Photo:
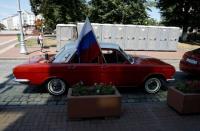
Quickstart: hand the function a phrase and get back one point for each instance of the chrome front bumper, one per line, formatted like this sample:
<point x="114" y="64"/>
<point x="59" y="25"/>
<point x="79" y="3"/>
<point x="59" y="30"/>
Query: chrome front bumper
<point x="170" y="80"/>
<point x="21" y="80"/>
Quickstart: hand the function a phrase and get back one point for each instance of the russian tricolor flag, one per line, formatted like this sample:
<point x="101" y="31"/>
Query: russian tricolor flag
<point x="87" y="46"/>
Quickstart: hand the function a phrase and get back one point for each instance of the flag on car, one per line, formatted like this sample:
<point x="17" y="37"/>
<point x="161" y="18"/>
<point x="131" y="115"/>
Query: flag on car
<point x="87" y="46"/>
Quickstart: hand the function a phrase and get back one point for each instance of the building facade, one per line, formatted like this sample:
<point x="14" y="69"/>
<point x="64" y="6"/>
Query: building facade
<point x="12" y="22"/>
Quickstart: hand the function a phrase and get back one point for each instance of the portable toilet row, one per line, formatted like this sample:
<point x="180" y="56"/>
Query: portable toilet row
<point x="137" y="37"/>
<point x="151" y="38"/>
<point x="129" y="37"/>
<point x="65" y="33"/>
<point x="110" y="33"/>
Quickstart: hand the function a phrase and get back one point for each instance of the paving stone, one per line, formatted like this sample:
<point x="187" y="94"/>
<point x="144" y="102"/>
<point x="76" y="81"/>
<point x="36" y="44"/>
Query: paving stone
<point x="24" y="103"/>
<point x="37" y="99"/>
<point x="3" y="103"/>
<point x="60" y="102"/>
<point x="15" y="99"/>
<point x="51" y="103"/>
<point x="8" y="99"/>
<point x="23" y="99"/>
<point x="130" y="100"/>
<point x="42" y="102"/>
<point x="32" y="103"/>
<point x="33" y="95"/>
<point x="14" y="103"/>
<point x="25" y="95"/>
<point x="45" y="95"/>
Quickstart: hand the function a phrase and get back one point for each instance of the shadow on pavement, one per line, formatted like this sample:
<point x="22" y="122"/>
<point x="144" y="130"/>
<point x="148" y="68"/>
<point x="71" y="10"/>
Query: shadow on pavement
<point x="35" y="89"/>
<point x="137" y="117"/>
<point x="9" y="77"/>
<point x="8" y="84"/>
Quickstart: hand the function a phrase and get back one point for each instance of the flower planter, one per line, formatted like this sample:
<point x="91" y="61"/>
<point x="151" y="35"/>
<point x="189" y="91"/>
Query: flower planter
<point x="184" y="103"/>
<point x="93" y="105"/>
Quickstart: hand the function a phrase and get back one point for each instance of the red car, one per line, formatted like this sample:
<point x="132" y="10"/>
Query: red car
<point x="63" y="70"/>
<point x="190" y="62"/>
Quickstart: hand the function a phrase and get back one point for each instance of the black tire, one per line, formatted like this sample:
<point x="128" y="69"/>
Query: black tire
<point x="152" y="85"/>
<point x="56" y="87"/>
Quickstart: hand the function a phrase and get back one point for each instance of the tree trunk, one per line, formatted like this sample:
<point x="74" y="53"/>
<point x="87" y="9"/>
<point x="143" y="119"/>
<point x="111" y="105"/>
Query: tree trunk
<point x="184" y="34"/>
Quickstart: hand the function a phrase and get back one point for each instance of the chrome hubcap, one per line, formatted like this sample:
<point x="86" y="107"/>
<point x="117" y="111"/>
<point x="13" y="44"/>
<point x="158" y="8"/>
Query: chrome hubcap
<point x="152" y="85"/>
<point x="56" y="86"/>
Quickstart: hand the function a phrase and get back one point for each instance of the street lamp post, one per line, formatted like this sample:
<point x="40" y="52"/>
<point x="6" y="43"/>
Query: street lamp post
<point x="23" y="49"/>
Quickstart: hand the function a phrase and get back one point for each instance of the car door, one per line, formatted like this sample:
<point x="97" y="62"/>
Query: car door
<point x="118" y="70"/>
<point x="88" y="73"/>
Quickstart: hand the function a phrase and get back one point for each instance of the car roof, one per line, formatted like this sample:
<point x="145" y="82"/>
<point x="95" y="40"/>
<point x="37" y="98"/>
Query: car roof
<point x="104" y="45"/>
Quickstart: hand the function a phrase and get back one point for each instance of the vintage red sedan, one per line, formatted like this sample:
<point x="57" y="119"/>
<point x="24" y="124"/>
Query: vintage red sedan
<point x="63" y="70"/>
<point x="190" y="62"/>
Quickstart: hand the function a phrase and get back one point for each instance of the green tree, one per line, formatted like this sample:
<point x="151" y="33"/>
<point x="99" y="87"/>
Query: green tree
<point x="59" y="11"/>
<point x="2" y="26"/>
<point x="35" y="6"/>
<point x="151" y="21"/>
<point x="182" y="13"/>
<point x="118" y="11"/>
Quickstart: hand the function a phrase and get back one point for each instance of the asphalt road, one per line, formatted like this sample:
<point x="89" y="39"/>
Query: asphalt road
<point x="12" y="93"/>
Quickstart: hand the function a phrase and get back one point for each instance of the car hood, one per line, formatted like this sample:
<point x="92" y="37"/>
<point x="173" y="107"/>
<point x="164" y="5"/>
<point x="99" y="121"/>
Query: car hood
<point x="146" y="60"/>
<point x="35" y="59"/>
<point x="40" y="59"/>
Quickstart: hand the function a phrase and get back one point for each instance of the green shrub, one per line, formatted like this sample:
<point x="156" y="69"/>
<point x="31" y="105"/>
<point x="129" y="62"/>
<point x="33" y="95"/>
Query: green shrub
<point x="188" y="86"/>
<point x="80" y="89"/>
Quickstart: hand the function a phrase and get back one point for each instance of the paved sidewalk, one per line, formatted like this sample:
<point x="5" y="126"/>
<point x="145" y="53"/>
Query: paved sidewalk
<point x="6" y="38"/>
<point x="9" y="50"/>
<point x="13" y="53"/>
<point x="135" y="117"/>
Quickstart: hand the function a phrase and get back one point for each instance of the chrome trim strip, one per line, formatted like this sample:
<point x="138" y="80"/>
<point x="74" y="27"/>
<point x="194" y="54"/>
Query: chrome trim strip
<point x="21" y="80"/>
<point x="170" y="80"/>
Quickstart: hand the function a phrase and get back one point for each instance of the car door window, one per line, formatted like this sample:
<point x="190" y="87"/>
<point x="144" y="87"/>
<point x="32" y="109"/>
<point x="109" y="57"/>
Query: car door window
<point x="75" y="59"/>
<point x="113" y="56"/>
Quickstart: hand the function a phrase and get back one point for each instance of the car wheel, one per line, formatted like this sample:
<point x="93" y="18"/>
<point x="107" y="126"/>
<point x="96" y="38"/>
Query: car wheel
<point x="56" y="87"/>
<point x="152" y="85"/>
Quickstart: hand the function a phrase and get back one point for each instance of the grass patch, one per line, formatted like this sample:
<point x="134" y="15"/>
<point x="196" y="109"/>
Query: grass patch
<point x="48" y="42"/>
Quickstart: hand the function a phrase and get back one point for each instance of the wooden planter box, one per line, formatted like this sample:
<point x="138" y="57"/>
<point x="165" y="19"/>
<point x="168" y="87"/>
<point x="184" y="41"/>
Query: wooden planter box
<point x="184" y="103"/>
<point x="93" y="105"/>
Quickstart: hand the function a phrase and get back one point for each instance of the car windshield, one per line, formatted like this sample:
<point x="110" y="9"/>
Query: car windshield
<point x="128" y="57"/>
<point x="64" y="54"/>
<point x="60" y="51"/>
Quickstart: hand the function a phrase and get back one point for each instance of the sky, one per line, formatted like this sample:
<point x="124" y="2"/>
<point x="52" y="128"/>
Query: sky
<point x="154" y="13"/>
<point x="10" y="7"/>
